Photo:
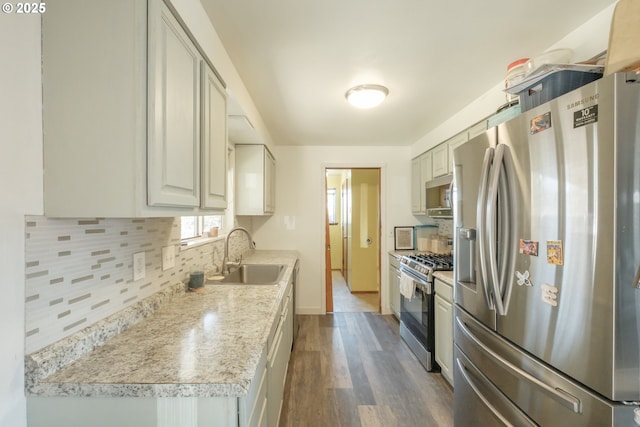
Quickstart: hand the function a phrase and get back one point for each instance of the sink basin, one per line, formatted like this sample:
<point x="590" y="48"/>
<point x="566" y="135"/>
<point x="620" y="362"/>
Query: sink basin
<point x="254" y="274"/>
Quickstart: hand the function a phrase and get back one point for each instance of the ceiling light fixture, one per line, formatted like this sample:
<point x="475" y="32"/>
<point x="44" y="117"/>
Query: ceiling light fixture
<point x="366" y="96"/>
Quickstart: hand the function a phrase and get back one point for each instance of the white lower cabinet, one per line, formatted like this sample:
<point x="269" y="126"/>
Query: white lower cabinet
<point x="132" y="411"/>
<point x="444" y="328"/>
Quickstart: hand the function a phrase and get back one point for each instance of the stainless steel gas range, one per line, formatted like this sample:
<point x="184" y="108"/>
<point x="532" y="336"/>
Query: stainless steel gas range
<point x="417" y="313"/>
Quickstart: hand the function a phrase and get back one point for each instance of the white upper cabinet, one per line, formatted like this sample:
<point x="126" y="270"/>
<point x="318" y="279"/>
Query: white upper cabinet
<point x="269" y="183"/>
<point x="255" y="180"/>
<point x="416" y="185"/>
<point x="426" y="168"/>
<point x="440" y="160"/>
<point x="125" y="128"/>
<point x="214" y="141"/>
<point x="452" y="144"/>
<point x="477" y="129"/>
<point x="173" y="114"/>
<point x="421" y="173"/>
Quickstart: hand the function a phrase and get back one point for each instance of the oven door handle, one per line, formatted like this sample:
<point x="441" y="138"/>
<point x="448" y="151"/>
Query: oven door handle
<point x="422" y="288"/>
<point x="425" y="287"/>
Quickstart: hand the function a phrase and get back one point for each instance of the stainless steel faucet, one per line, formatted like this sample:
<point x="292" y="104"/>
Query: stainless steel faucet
<point x="225" y="261"/>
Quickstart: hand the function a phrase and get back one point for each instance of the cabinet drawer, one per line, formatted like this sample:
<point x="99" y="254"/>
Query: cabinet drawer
<point x="444" y="290"/>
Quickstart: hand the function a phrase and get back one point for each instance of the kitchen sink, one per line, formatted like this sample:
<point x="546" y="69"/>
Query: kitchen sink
<point x="253" y="274"/>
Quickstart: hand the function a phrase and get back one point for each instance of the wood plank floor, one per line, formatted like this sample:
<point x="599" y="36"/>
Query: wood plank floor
<point x="353" y="369"/>
<point x="345" y="301"/>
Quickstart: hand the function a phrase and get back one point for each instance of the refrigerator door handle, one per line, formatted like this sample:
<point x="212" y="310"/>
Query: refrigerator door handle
<point x="501" y="201"/>
<point x="508" y="238"/>
<point x="491" y="224"/>
<point x="481" y="224"/>
<point x="636" y="280"/>
<point x="565" y="398"/>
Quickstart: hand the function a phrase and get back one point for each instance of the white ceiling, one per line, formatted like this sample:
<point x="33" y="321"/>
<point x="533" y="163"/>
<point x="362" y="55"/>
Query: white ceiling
<point x="297" y="58"/>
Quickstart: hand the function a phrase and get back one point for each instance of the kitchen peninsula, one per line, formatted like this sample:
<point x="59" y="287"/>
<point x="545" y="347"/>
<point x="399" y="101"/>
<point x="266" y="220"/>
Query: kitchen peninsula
<point x="206" y="356"/>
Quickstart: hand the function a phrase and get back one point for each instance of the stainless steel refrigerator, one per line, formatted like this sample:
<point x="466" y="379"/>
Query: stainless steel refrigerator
<point x="547" y="264"/>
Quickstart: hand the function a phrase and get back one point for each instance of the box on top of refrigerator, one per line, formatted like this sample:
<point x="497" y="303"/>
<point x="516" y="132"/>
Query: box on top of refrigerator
<point x="553" y="85"/>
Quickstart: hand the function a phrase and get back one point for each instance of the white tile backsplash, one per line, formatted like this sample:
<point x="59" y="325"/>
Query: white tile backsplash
<point x="445" y="227"/>
<point x="79" y="271"/>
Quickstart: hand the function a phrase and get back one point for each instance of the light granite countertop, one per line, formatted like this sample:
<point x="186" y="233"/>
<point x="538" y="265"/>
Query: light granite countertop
<point x="445" y="276"/>
<point x="194" y="345"/>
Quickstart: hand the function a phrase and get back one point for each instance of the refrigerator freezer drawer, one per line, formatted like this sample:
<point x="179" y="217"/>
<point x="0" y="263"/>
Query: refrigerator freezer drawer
<point x="479" y="402"/>
<point x="543" y="394"/>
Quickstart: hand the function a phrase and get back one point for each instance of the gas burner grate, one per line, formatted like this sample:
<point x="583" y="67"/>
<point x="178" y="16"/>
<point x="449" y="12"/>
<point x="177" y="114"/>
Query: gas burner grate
<point x="433" y="261"/>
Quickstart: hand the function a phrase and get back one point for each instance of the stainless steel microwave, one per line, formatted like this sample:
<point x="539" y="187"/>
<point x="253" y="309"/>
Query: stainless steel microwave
<point x="438" y="197"/>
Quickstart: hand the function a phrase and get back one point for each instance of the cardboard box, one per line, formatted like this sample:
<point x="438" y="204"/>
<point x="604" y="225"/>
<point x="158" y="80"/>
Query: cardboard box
<point x="624" y="38"/>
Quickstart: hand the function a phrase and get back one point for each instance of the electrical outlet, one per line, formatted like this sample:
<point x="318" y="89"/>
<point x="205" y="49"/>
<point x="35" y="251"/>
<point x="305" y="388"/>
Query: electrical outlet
<point x="168" y="257"/>
<point x="139" y="269"/>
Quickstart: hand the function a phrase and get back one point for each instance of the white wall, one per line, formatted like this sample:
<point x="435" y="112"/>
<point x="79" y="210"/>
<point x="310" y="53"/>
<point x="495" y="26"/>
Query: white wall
<point x="299" y="219"/>
<point x="20" y="193"/>
<point x="586" y="41"/>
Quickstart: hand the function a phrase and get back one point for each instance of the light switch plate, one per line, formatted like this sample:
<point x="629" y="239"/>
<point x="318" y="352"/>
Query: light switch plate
<point x="139" y="269"/>
<point x="168" y="257"/>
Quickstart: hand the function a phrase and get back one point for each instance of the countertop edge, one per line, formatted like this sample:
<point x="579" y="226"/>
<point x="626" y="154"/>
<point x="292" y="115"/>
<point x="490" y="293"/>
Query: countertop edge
<point x="137" y="390"/>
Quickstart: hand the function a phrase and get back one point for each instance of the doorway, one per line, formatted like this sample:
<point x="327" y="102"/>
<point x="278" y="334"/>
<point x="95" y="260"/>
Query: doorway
<point x="354" y="239"/>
